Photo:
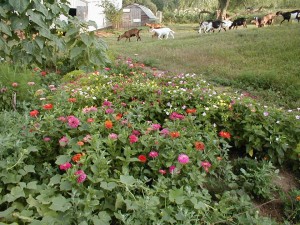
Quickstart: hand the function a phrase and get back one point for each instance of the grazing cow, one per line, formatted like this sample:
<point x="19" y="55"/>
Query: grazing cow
<point x="289" y="15"/>
<point x="267" y="19"/>
<point x="239" y="22"/>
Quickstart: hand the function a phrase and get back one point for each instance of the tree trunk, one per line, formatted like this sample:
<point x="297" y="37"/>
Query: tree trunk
<point x="221" y="13"/>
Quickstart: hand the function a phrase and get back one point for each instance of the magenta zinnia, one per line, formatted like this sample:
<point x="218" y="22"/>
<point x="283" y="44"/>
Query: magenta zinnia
<point x="183" y="159"/>
<point x="133" y="139"/>
<point x="73" y="121"/>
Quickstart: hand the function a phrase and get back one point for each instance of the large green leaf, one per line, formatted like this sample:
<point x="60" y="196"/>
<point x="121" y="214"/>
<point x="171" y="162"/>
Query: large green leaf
<point x="128" y="180"/>
<point x="19" y="5"/>
<point x="60" y="203"/>
<point x="5" y="29"/>
<point x="76" y="51"/>
<point x="19" y="23"/>
<point x="37" y="18"/>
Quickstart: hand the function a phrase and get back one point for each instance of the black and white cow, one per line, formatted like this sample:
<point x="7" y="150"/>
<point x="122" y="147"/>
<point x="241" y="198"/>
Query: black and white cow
<point x="289" y="15"/>
<point x="239" y="22"/>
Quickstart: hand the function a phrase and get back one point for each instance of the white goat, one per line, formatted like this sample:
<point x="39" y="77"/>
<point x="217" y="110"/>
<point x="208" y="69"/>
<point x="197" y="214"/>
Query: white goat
<point x="163" y="32"/>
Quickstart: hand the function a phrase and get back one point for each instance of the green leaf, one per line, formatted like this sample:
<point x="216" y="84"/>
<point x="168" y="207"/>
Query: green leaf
<point x="128" y="180"/>
<point x="177" y="195"/>
<point x="19" y="23"/>
<point x="60" y="203"/>
<point x="5" y="29"/>
<point x="32" y="185"/>
<point x="55" y="179"/>
<point x="76" y="51"/>
<point x="7" y="212"/>
<point x="102" y="218"/>
<point x="19" y="5"/>
<point x="108" y="186"/>
<point x="37" y="18"/>
<point x="65" y="186"/>
<point x="62" y="159"/>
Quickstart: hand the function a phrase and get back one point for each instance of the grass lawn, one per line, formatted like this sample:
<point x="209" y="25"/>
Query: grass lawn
<point x="264" y="61"/>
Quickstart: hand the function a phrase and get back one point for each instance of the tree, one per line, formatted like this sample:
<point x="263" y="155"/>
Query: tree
<point x="112" y="14"/>
<point x="223" y="5"/>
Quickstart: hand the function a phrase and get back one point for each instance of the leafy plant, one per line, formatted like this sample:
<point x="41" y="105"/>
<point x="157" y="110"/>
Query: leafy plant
<point x="256" y="177"/>
<point x="31" y="35"/>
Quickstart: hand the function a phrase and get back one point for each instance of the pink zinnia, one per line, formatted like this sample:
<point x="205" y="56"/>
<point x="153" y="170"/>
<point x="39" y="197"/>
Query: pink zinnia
<point x="162" y="172"/>
<point x="109" y="111"/>
<point x="62" y="119"/>
<point x="65" y="166"/>
<point x="136" y="133"/>
<point x="183" y="159"/>
<point x="82" y="176"/>
<point x="153" y="154"/>
<point x="206" y="165"/>
<point x="73" y="121"/>
<point x="164" y="132"/>
<point x="113" y="136"/>
<point x="172" y="169"/>
<point x="46" y="139"/>
<point x="156" y="126"/>
<point x="133" y="139"/>
<point x="63" y="141"/>
<point x="175" y="116"/>
<point x="107" y="103"/>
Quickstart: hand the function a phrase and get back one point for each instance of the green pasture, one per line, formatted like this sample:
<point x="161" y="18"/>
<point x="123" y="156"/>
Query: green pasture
<point x="264" y="61"/>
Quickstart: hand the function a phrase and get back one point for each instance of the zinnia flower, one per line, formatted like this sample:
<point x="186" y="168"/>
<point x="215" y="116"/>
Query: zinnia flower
<point x="142" y="158"/>
<point x="164" y="132"/>
<point x="72" y="100"/>
<point x="109" y="111"/>
<point x="174" y="134"/>
<point x="172" y="169"/>
<point x="80" y="143"/>
<point x="46" y="139"/>
<point x="48" y="106"/>
<point x="119" y="116"/>
<point x="199" y="145"/>
<point x="133" y="139"/>
<point x="73" y="121"/>
<point x="65" y="166"/>
<point x="82" y="176"/>
<point x="176" y="116"/>
<point x="191" y="111"/>
<point x="43" y="73"/>
<point x="107" y="103"/>
<point x="224" y="134"/>
<point x="156" y="126"/>
<point x="162" y="172"/>
<point x="206" y="165"/>
<point x="183" y="159"/>
<point x="90" y="120"/>
<point x="153" y="154"/>
<point x="15" y="84"/>
<point x="34" y="113"/>
<point x="113" y="136"/>
<point x="108" y="124"/>
<point x="76" y="157"/>
<point x="63" y="141"/>
<point x="298" y="198"/>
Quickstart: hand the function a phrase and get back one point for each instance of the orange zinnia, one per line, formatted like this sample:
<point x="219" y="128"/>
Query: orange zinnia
<point x="76" y="157"/>
<point x="72" y="100"/>
<point x="199" y="145"/>
<point x="191" y="111"/>
<point x="108" y="124"/>
<point x="174" y="134"/>
<point x="119" y="116"/>
<point x="80" y="143"/>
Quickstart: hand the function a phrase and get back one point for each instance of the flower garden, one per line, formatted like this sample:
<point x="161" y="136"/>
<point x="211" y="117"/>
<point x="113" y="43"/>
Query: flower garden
<point x="129" y="145"/>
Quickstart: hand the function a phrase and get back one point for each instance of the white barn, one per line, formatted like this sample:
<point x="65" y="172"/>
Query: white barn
<point x="91" y="10"/>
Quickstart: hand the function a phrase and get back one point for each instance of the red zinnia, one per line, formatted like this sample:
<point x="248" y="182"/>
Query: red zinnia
<point x="142" y="158"/>
<point x="43" y="73"/>
<point x="34" y="113"/>
<point x="224" y="134"/>
<point x="199" y="145"/>
<point x="48" y="106"/>
<point x="119" y="116"/>
<point x="108" y="124"/>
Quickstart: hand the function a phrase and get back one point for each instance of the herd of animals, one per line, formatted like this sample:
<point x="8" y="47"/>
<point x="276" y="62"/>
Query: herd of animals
<point x="212" y="25"/>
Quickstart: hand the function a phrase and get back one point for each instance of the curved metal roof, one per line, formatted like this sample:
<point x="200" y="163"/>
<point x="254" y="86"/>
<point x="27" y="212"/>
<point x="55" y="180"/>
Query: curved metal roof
<point x="146" y="10"/>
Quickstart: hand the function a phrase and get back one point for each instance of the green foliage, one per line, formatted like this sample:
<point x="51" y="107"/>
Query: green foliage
<point x="256" y="177"/>
<point x="127" y="146"/>
<point x="16" y="85"/>
<point x="291" y="202"/>
<point x="31" y="34"/>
